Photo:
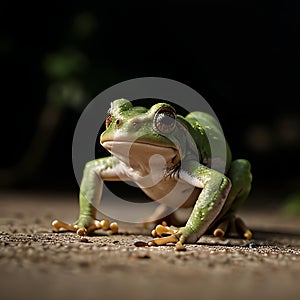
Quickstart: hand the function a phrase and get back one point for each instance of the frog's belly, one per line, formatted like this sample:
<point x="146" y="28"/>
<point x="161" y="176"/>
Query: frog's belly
<point x="173" y="193"/>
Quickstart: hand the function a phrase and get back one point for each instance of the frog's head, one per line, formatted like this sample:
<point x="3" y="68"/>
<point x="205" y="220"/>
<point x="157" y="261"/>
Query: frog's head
<point x="136" y="133"/>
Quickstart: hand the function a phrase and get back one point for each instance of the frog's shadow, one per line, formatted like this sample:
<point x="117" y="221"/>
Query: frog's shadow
<point x="261" y="238"/>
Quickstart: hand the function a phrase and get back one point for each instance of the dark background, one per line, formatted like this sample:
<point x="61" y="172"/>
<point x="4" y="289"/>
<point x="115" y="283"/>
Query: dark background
<point x="56" y="57"/>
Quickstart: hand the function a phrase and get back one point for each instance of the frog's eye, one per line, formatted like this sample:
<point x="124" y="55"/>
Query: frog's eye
<point x="165" y="120"/>
<point x="108" y="121"/>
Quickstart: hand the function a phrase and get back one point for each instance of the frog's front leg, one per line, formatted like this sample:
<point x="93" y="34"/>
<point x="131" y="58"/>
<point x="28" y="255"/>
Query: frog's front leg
<point x="90" y="194"/>
<point x="240" y="176"/>
<point x="215" y="188"/>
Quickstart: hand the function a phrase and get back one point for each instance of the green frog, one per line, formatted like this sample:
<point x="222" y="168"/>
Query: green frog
<point x="170" y="158"/>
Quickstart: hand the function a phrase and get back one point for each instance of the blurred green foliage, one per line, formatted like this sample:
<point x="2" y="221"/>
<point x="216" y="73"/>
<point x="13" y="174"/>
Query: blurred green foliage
<point x="84" y="25"/>
<point x="291" y="205"/>
<point x="65" y="63"/>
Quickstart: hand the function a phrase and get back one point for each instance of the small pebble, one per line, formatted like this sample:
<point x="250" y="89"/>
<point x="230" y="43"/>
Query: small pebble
<point x="252" y="245"/>
<point x="30" y="252"/>
<point x="95" y="248"/>
<point x="84" y="240"/>
<point x="140" y="244"/>
<point x="145" y="256"/>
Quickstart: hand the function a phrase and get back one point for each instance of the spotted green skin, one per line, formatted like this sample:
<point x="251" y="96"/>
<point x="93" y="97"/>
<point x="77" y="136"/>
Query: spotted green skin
<point x="219" y="195"/>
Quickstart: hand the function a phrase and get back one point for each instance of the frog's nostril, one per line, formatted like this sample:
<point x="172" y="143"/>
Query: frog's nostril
<point x="135" y="125"/>
<point x="118" y="123"/>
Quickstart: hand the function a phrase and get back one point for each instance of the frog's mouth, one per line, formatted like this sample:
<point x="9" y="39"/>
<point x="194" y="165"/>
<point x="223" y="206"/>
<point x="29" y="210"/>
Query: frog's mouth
<point x="140" y="153"/>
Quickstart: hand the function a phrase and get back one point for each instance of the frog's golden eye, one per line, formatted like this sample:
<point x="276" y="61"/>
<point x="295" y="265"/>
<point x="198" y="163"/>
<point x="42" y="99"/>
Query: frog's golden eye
<point x="108" y="121"/>
<point x="165" y="120"/>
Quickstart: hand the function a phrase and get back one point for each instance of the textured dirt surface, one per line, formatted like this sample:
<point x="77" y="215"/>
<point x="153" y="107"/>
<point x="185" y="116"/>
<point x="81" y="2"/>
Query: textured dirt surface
<point x="38" y="264"/>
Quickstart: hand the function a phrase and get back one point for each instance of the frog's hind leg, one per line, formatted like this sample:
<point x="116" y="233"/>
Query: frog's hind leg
<point x="240" y="176"/>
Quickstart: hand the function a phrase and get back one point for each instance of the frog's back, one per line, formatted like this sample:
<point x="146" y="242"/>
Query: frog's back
<point x="210" y="124"/>
<point x="209" y="138"/>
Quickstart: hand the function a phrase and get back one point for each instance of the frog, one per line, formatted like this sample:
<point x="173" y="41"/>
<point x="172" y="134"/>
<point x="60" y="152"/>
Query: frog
<point x="169" y="157"/>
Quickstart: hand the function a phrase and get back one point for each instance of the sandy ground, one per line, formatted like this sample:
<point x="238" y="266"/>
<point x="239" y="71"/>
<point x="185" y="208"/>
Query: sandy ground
<point x="38" y="264"/>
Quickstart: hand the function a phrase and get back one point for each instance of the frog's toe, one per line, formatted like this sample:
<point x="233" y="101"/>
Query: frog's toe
<point x="232" y="225"/>
<point x="163" y="235"/>
<point x="58" y="225"/>
<point x="163" y="229"/>
<point x="85" y="226"/>
<point x="164" y="240"/>
<point x="221" y="228"/>
<point x="243" y="229"/>
<point x="171" y="234"/>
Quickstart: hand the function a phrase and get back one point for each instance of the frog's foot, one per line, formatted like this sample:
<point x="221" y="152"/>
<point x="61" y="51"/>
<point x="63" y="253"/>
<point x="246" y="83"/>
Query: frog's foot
<point x="164" y="234"/>
<point x="232" y="225"/>
<point x="85" y="226"/>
